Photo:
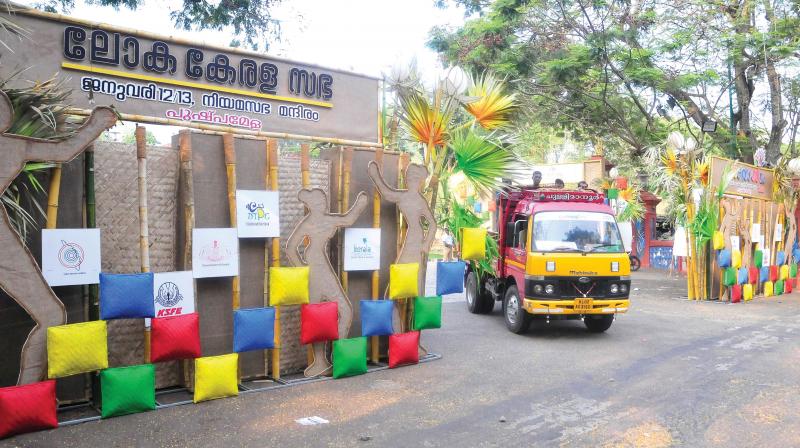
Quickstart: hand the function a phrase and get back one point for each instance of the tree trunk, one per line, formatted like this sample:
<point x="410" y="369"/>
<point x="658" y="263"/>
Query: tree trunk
<point x="775" y="99"/>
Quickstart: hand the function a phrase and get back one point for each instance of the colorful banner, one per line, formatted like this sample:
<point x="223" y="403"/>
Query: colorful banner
<point x="748" y="180"/>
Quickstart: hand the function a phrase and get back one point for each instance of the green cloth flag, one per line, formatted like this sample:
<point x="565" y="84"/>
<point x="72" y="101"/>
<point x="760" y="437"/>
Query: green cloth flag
<point x="427" y="313"/>
<point x="729" y="279"/>
<point x="779" y="287"/>
<point x="349" y="357"/>
<point x="759" y="259"/>
<point x="127" y="390"/>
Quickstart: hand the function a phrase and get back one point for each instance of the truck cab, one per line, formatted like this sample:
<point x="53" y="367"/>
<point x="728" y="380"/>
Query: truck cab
<point x="561" y="257"/>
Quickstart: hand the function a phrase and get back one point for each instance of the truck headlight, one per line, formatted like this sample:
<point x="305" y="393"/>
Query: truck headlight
<point x="615" y="266"/>
<point x="623" y="288"/>
<point x="549" y="289"/>
<point x="614" y="288"/>
<point x="551" y="266"/>
<point x="537" y="289"/>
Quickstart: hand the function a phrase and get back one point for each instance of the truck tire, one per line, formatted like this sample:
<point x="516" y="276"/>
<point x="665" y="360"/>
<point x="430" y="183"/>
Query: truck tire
<point x="478" y="300"/>
<point x="517" y="319"/>
<point x="598" y="324"/>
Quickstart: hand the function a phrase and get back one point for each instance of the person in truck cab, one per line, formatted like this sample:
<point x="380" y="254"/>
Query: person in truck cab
<point x="537" y="179"/>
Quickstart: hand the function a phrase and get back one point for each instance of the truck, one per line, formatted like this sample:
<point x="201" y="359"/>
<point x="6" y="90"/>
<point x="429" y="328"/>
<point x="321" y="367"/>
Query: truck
<point x="561" y="257"/>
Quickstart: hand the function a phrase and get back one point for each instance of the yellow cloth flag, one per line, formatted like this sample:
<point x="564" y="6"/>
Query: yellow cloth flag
<point x="736" y="258"/>
<point x="77" y="348"/>
<point x="769" y="289"/>
<point x="473" y="244"/>
<point x="288" y="286"/>
<point x="404" y="280"/>
<point x="747" y="292"/>
<point x="215" y="377"/>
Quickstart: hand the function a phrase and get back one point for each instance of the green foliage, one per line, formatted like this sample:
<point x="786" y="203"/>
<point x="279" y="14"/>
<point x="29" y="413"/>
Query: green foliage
<point x="456" y="217"/>
<point x="130" y="138"/>
<point x="39" y="112"/>
<point x="483" y="161"/>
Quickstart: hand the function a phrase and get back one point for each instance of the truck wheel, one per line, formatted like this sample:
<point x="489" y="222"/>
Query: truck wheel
<point x="517" y="319"/>
<point x="478" y="300"/>
<point x="598" y="324"/>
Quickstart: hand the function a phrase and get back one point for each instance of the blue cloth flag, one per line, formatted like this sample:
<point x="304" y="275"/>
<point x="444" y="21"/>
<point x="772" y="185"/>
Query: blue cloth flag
<point x="780" y="258"/>
<point x="376" y="317"/>
<point x="450" y="277"/>
<point x="126" y="296"/>
<point x="253" y="329"/>
<point x="763" y="276"/>
<point x="724" y="258"/>
<point x="743" y="275"/>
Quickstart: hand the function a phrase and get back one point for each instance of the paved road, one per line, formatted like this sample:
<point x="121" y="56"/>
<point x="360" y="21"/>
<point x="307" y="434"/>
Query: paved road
<point x="670" y="373"/>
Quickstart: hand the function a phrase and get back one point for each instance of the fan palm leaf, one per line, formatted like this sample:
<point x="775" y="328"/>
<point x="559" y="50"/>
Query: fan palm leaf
<point x="484" y="162"/>
<point x="491" y="106"/>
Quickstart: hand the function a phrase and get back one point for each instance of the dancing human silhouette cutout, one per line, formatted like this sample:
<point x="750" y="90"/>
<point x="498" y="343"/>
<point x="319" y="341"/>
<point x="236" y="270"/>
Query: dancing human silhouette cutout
<point x="20" y="276"/>
<point x="313" y="233"/>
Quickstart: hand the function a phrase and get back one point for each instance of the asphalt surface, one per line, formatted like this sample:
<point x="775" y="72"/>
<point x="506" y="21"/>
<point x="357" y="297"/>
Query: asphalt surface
<point x="669" y="373"/>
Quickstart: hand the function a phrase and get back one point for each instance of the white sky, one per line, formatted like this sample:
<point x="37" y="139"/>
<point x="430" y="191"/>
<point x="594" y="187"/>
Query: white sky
<point x="364" y="36"/>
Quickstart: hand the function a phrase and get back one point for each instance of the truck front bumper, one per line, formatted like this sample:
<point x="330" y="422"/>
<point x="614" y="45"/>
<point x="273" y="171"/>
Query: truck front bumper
<point x="594" y="306"/>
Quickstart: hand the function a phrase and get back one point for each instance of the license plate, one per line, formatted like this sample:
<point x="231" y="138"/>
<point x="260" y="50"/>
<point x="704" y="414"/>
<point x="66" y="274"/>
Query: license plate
<point x="583" y="305"/>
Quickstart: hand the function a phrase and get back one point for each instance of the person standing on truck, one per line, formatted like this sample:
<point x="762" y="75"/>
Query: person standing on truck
<point x="582" y="185"/>
<point x="559" y="184"/>
<point x="537" y="179"/>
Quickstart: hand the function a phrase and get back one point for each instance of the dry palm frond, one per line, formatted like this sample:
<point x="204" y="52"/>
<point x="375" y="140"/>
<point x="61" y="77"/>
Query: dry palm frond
<point x="491" y="105"/>
<point x="426" y="123"/>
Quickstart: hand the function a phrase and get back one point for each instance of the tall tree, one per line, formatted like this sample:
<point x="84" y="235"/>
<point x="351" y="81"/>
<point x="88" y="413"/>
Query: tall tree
<point x="249" y="19"/>
<point x="629" y="71"/>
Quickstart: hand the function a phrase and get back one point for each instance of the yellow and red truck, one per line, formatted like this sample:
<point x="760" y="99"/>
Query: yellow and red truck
<point x="561" y="256"/>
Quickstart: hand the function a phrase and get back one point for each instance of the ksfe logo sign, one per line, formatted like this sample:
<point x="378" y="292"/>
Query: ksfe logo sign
<point x="71" y="256"/>
<point x="173" y="293"/>
<point x="362" y="249"/>
<point x="257" y="214"/>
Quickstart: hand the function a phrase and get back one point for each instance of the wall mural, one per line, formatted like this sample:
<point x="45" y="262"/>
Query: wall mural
<point x="313" y="234"/>
<point x="20" y="276"/>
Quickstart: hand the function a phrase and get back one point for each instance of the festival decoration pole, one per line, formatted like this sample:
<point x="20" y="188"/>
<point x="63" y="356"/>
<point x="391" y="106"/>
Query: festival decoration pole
<point x="187" y="186"/>
<point x="376" y="223"/>
<point x="272" y="161"/>
<point x="144" y="234"/>
<point x="92" y="291"/>
<point x="403" y="162"/>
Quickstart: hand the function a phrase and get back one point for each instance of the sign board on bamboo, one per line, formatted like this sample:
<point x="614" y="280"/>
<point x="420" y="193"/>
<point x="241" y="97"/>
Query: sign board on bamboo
<point x="163" y="77"/>
<point x="748" y="180"/>
<point x="71" y="256"/>
<point x="257" y="214"/>
<point x="173" y="293"/>
<point x="362" y="249"/>
<point x="215" y="253"/>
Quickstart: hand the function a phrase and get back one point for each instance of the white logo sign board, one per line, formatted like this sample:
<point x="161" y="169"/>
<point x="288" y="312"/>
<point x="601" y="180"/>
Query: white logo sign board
<point x="173" y="293"/>
<point x="71" y="256"/>
<point x="257" y="214"/>
<point x="362" y="249"/>
<point x="215" y="253"/>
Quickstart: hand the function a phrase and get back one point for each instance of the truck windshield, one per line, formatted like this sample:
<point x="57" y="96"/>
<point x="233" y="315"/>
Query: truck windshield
<point x="575" y="232"/>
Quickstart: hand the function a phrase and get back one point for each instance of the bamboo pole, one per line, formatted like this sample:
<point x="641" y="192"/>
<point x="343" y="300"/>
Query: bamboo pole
<point x="305" y="180"/>
<point x="52" y="197"/>
<point x="403" y="163"/>
<point x="144" y="234"/>
<point x="272" y="161"/>
<point x="347" y="166"/>
<point x="376" y="223"/>
<point x="187" y="185"/>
